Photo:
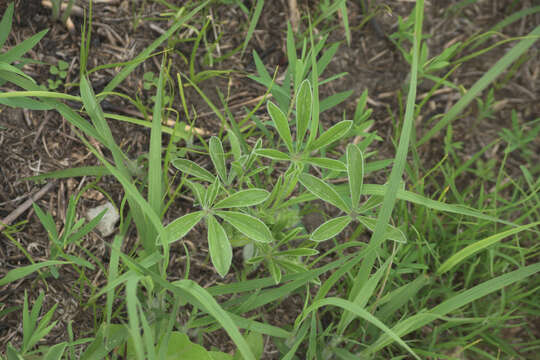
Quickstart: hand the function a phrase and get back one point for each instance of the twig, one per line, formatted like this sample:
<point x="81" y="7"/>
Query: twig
<point x="25" y="205"/>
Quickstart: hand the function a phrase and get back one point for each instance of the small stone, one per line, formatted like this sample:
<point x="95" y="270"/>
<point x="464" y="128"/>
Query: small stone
<point x="107" y="222"/>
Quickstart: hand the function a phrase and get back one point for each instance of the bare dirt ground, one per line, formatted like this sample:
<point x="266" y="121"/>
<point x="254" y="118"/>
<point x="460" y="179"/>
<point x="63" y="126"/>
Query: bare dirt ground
<point x="32" y="142"/>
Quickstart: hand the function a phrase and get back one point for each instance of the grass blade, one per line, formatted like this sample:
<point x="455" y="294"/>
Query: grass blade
<point x="361" y="313"/>
<point x="146" y="53"/>
<point x="479" y="246"/>
<point x="5" y="24"/>
<point x="483" y="83"/>
<point x="252" y="24"/>
<point x="155" y="170"/>
<point x="20" y="272"/>
<point x="466" y="297"/>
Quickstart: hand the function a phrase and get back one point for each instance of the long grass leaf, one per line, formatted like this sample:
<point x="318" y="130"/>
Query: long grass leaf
<point x="479" y="246"/>
<point x="482" y="83"/>
<point x="361" y="313"/>
<point x="155" y="170"/>
<point x="401" y="155"/>
<point x="5" y="24"/>
<point x="466" y="297"/>
<point x="20" y="272"/>
<point x="146" y="52"/>
<point x="252" y="24"/>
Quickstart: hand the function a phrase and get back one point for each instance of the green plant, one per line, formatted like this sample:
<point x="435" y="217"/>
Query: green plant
<point x="35" y="329"/>
<point x="60" y="11"/>
<point x="151" y="81"/>
<point x="72" y="233"/>
<point x="517" y="137"/>
<point x="12" y="60"/>
<point x="59" y="71"/>
<point x="450" y="276"/>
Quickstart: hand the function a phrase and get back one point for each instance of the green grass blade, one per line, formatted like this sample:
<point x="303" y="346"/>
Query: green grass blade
<point x="38" y="93"/>
<point x="479" y="246"/>
<point x="132" y="303"/>
<point x="334" y="100"/>
<point x="5" y="24"/>
<point x="209" y="304"/>
<point x="361" y="313"/>
<point x="482" y="83"/>
<point x="252" y="24"/>
<point x="146" y="53"/>
<point x="401" y="156"/>
<point x="155" y="171"/>
<point x="137" y="203"/>
<point x="22" y="271"/>
<point x="466" y="297"/>
<point x="360" y="295"/>
<point x="16" y="52"/>
<point x="71" y="172"/>
<point x="200" y="298"/>
<point x="345" y="19"/>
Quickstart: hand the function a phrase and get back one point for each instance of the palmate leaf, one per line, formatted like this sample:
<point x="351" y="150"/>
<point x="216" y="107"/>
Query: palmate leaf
<point x="327" y="163"/>
<point x="248" y="225"/>
<point x="192" y="168"/>
<point x="282" y="124"/>
<point x="182" y="225"/>
<point x="331" y="228"/>
<point x="219" y="246"/>
<point x="304" y="100"/>
<point x="218" y="157"/>
<point x="335" y="133"/>
<point x="323" y="191"/>
<point x="273" y="154"/>
<point x="355" y="173"/>
<point x="243" y="198"/>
